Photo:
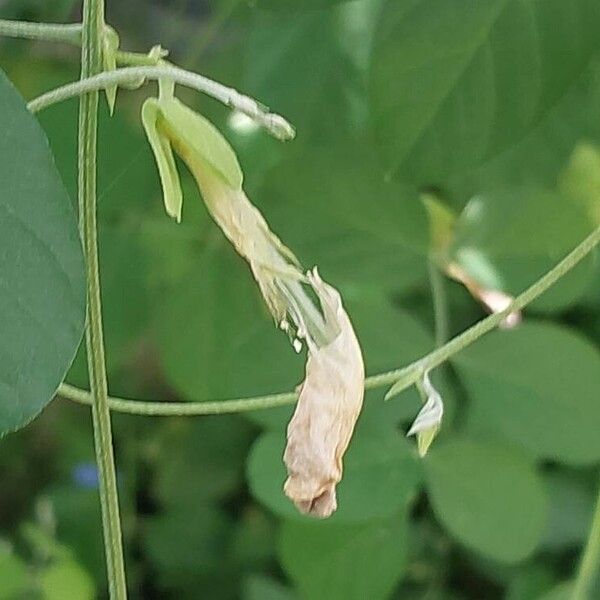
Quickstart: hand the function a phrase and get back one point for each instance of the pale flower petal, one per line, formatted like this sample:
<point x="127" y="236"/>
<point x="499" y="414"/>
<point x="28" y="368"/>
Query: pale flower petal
<point x="328" y="407"/>
<point x="429" y="419"/>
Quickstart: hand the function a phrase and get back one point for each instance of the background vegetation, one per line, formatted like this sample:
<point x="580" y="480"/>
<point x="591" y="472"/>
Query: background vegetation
<point x="494" y="107"/>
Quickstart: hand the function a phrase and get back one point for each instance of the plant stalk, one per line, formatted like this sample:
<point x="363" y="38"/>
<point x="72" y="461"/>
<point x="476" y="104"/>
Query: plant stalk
<point x="587" y="575"/>
<point x="50" y="32"/>
<point x="401" y="378"/>
<point x="91" y="63"/>
<point x="275" y="124"/>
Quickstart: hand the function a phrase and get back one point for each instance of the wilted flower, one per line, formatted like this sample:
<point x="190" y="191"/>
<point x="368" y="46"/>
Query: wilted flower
<point x="494" y="300"/>
<point x="331" y="395"/>
<point x="429" y="420"/>
<point x="330" y="402"/>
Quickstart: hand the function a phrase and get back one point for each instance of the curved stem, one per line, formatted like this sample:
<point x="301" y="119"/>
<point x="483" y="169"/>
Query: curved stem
<point x="51" y="32"/>
<point x="408" y="375"/>
<point x="182" y="409"/>
<point x="590" y="560"/>
<point x="91" y="60"/>
<point x="401" y="378"/>
<point x="275" y="124"/>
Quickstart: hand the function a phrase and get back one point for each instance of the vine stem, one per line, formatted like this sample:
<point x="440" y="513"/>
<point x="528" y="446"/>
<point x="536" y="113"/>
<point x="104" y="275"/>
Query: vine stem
<point x="91" y="61"/>
<point x="590" y="560"/>
<point x="401" y="378"/>
<point x="275" y="124"/>
<point x="50" y="32"/>
<point x="440" y="305"/>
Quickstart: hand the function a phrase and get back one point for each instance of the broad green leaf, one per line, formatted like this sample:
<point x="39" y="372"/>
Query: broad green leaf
<point x="495" y="245"/>
<point x="563" y="591"/>
<point x="381" y="475"/>
<point x="337" y="561"/>
<point x="200" y="460"/>
<point x="259" y="587"/>
<point x="488" y="498"/>
<point x="15" y="581"/>
<point x="530" y="581"/>
<point x="455" y="82"/>
<point x="186" y="549"/>
<point x="66" y="579"/>
<point x="294" y="5"/>
<point x="294" y="65"/>
<point x="570" y="511"/>
<point x="216" y="339"/>
<point x="538" y="158"/>
<point x="536" y="386"/>
<point x="42" y="292"/>
<point x="125" y="308"/>
<point x="336" y="210"/>
<point x="580" y="181"/>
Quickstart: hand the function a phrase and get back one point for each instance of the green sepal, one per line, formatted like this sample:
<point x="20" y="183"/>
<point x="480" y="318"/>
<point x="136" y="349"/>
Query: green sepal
<point x="163" y="153"/>
<point x="110" y="46"/>
<point x="199" y="142"/>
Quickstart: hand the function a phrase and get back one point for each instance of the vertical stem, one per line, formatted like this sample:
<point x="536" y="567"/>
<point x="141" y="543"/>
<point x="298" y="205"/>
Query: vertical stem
<point x="440" y="308"/>
<point x="590" y="560"/>
<point x="93" y="22"/>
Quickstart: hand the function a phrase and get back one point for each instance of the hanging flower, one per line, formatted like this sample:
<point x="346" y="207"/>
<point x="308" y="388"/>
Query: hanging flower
<point x="429" y="420"/>
<point x="332" y="392"/>
<point x="330" y="401"/>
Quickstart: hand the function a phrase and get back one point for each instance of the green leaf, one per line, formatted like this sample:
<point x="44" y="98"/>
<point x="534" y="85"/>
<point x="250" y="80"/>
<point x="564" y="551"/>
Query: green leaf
<point x="293" y="63"/>
<point x="259" y="587"/>
<point x="125" y="311"/>
<point x="294" y="5"/>
<point x="42" y="293"/>
<point x="570" y="511"/>
<point x="66" y="579"/>
<point x="345" y="562"/>
<point x="563" y="591"/>
<point x="538" y="387"/>
<point x="381" y="475"/>
<point x="581" y="180"/>
<point x="15" y="580"/>
<point x="336" y="210"/>
<point x="495" y="245"/>
<point x="488" y="498"/>
<point x="453" y="82"/>
<point x="216" y="339"/>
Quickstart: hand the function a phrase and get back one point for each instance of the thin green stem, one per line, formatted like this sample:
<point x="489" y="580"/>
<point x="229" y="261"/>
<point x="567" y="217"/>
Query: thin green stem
<point x="401" y="378"/>
<point x="182" y="409"/>
<point x="91" y="61"/>
<point x="273" y="123"/>
<point x="440" y="308"/>
<point x="590" y="560"/>
<point x="406" y="376"/>
<point x="51" y="32"/>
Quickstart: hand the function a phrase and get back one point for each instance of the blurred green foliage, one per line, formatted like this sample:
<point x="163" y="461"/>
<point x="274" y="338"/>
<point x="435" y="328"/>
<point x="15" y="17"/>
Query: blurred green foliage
<point x="493" y="107"/>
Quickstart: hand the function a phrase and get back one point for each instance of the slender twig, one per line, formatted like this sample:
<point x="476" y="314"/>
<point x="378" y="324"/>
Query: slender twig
<point x="590" y="560"/>
<point x="91" y="61"/>
<point x="51" y="32"/>
<point x="440" y="308"/>
<point x="401" y="378"/>
<point x="275" y="124"/>
<point x="182" y="409"/>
